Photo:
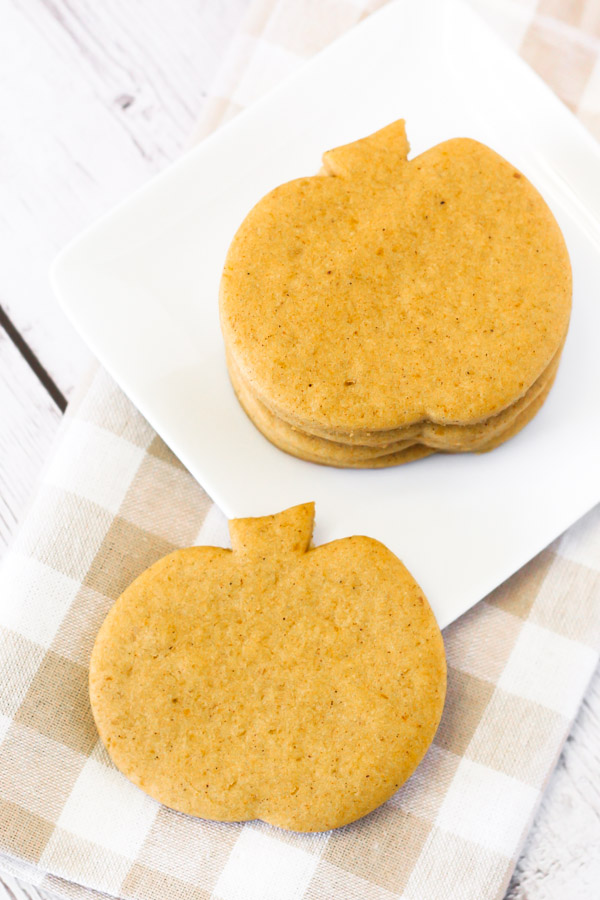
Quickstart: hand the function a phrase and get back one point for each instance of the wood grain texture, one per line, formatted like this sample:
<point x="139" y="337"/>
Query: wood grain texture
<point x="95" y="98"/>
<point x="14" y="889"/>
<point x="30" y="419"/>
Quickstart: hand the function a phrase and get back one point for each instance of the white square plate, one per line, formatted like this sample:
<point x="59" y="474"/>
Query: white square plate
<point x="142" y="285"/>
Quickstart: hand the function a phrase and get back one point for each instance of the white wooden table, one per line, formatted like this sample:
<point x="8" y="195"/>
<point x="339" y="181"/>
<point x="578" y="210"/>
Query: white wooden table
<point x="95" y="97"/>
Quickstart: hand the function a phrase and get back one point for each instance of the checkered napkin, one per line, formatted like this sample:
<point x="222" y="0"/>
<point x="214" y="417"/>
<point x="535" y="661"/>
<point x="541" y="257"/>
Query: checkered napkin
<point x="114" y="499"/>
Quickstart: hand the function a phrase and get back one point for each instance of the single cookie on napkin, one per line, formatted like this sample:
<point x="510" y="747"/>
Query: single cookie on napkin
<point x="299" y="686"/>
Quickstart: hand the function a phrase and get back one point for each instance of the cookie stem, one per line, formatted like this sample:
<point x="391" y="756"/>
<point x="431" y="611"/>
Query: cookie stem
<point x="384" y="151"/>
<point x="287" y="532"/>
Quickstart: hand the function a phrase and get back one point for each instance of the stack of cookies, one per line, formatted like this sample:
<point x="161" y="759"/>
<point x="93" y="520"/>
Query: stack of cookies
<point x="387" y="309"/>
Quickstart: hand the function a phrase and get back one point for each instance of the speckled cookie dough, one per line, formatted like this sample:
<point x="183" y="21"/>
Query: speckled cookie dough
<point x="299" y="686"/>
<point x="389" y="292"/>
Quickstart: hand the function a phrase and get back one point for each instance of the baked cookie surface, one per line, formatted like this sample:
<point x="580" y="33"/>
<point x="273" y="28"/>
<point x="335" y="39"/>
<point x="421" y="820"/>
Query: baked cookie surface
<point x="300" y="686"/>
<point x="389" y="292"/>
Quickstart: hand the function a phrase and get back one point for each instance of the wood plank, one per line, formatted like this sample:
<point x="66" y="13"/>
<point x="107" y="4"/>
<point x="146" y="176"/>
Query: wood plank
<point x="96" y="98"/>
<point x="15" y="889"/>
<point x="30" y="420"/>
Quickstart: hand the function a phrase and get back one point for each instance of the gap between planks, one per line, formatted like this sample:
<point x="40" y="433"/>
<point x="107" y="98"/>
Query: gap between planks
<point x="30" y="420"/>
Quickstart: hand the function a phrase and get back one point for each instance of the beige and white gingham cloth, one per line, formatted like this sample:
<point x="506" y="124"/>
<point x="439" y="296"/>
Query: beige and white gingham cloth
<point x="114" y="499"/>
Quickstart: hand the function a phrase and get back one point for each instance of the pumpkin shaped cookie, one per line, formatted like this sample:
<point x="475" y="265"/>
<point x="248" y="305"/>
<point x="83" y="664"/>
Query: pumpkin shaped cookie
<point x="387" y="295"/>
<point x="299" y="686"/>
